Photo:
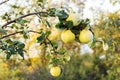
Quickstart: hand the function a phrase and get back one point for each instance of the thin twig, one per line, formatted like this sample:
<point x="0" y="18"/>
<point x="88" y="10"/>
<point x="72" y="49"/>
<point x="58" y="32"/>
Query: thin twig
<point x="11" y="34"/>
<point x="52" y="45"/>
<point x="17" y="33"/>
<point x="34" y="31"/>
<point x="12" y="21"/>
<point x="4" y="2"/>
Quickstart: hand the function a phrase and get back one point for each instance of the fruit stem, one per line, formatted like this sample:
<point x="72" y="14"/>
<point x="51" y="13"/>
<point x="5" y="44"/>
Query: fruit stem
<point x="52" y="45"/>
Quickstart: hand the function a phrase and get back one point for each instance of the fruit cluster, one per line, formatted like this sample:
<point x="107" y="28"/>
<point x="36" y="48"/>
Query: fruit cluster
<point x="70" y="28"/>
<point x="85" y="36"/>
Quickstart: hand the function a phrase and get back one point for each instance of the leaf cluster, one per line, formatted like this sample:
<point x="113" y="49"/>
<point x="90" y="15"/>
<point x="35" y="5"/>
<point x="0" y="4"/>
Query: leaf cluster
<point x="11" y="47"/>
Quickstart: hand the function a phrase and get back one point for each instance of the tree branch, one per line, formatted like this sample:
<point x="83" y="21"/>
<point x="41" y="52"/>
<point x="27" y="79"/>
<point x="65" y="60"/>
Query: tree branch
<point x="17" y="33"/>
<point x="12" y="21"/>
<point x="4" y="2"/>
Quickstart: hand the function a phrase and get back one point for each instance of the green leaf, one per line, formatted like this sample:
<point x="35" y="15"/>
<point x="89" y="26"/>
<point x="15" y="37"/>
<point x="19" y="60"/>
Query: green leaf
<point x="8" y="55"/>
<point x="69" y="24"/>
<point x="61" y="25"/>
<point x="21" y="52"/>
<point x="25" y="35"/>
<point x="4" y="47"/>
<point x="40" y="1"/>
<point x="93" y="43"/>
<point x="62" y="51"/>
<point x="21" y="21"/>
<point x="117" y="22"/>
<point x="51" y="12"/>
<point x="64" y="59"/>
<point x="87" y="21"/>
<point x="39" y="20"/>
<point x="61" y="14"/>
<point x="55" y="45"/>
<point x="21" y="45"/>
<point x="40" y="38"/>
<point x="14" y="26"/>
<point x="11" y="49"/>
<point x="9" y="41"/>
<point x="3" y="31"/>
<point x="64" y="24"/>
<point x="54" y="61"/>
<point x="5" y="16"/>
<point x="84" y="23"/>
<point x="48" y="56"/>
<point x="75" y="30"/>
<point x="15" y="6"/>
<point x="47" y="33"/>
<point x="48" y="23"/>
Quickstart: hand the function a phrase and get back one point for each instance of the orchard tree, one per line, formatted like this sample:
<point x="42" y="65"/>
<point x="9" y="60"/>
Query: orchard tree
<point x="57" y="36"/>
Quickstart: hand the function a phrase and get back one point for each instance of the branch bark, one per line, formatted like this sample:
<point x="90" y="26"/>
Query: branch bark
<point x="4" y="2"/>
<point x="17" y="33"/>
<point x="12" y="21"/>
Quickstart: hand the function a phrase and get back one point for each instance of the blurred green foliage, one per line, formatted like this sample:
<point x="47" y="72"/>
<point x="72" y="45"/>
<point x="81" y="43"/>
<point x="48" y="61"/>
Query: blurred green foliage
<point x="80" y="67"/>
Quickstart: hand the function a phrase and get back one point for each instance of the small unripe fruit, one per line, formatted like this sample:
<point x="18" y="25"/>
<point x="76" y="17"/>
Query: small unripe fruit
<point x="55" y="71"/>
<point x="85" y="36"/>
<point x="67" y="36"/>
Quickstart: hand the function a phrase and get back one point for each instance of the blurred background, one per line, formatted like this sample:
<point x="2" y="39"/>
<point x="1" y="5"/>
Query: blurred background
<point x="96" y="63"/>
